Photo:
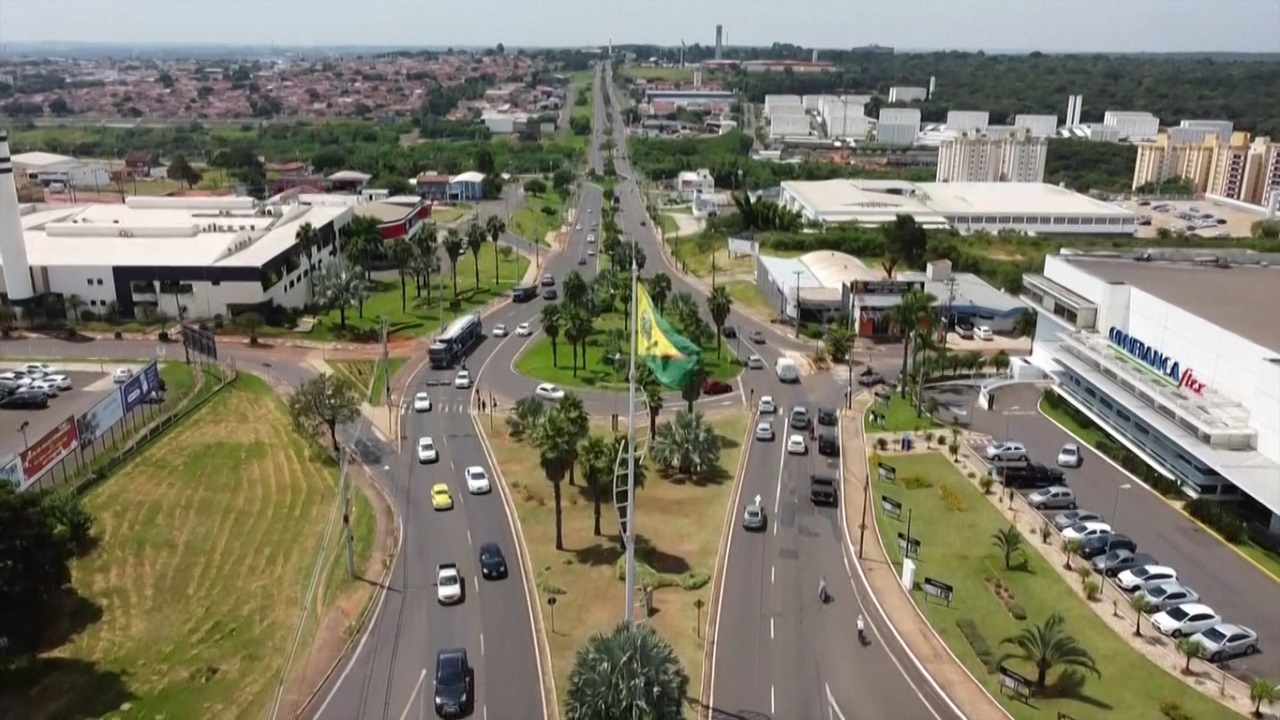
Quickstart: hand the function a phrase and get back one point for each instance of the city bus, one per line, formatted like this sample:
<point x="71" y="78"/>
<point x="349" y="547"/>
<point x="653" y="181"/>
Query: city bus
<point x="455" y="342"/>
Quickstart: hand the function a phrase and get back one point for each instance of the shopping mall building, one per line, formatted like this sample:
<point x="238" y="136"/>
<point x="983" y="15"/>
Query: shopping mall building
<point x="1177" y="354"/>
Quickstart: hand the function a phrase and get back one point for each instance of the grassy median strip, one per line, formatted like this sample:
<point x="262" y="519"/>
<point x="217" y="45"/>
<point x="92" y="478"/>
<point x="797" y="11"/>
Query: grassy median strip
<point x="369" y="375"/>
<point x="955" y="525"/>
<point x="899" y="416"/>
<point x="206" y="543"/>
<point x="678" y="526"/>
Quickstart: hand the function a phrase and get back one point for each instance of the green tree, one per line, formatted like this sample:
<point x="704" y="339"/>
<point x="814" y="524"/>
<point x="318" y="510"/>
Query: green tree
<point x="653" y="400"/>
<point x="596" y="456"/>
<point x="577" y="330"/>
<point x="551" y="318"/>
<point x="561" y="179"/>
<point x="694" y="380"/>
<point x="905" y="243"/>
<point x="629" y="673"/>
<point x="453" y="244"/>
<point x="839" y="341"/>
<point x="1190" y="649"/>
<point x="687" y="445"/>
<point x="575" y="289"/>
<point x="325" y="400"/>
<point x="576" y="419"/>
<point x="1141" y="605"/>
<point x="719" y="304"/>
<point x="34" y="568"/>
<point x="495" y="227"/>
<point x="1262" y="691"/>
<point x="250" y="322"/>
<point x="73" y="524"/>
<point x="483" y="159"/>
<point x="557" y="454"/>
<point x="526" y="417"/>
<point x="914" y="310"/>
<point x="535" y="187"/>
<point x="1047" y="646"/>
<point x="425" y="261"/>
<point x="363" y="244"/>
<point x="401" y="254"/>
<point x="476" y="237"/>
<point x="181" y="171"/>
<point x="1009" y="542"/>
<point x="660" y="289"/>
<point x="307" y="238"/>
<point x="341" y="284"/>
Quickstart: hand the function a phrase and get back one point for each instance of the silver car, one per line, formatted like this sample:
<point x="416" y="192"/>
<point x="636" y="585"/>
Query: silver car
<point x="764" y="430"/>
<point x="753" y="517"/>
<point x="1057" y="497"/>
<point x="1062" y="521"/>
<point x="1165" y="595"/>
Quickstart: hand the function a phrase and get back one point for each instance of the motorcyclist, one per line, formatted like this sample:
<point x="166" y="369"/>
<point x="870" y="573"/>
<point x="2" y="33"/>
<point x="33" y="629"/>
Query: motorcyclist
<point x="822" y="589"/>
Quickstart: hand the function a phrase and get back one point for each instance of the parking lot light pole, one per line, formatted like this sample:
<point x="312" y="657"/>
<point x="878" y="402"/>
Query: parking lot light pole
<point x="1115" y="508"/>
<point x="23" y="429"/>
<point x="1007" y="413"/>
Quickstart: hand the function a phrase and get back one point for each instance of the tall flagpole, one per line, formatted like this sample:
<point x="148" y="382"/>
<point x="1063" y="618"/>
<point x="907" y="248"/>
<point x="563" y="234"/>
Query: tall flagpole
<point x="629" y="535"/>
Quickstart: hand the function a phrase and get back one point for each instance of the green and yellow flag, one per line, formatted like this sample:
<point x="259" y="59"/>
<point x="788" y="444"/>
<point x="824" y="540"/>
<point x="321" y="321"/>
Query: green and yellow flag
<point x="671" y="356"/>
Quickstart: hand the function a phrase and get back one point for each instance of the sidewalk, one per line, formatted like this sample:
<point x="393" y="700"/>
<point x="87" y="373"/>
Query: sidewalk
<point x="921" y="640"/>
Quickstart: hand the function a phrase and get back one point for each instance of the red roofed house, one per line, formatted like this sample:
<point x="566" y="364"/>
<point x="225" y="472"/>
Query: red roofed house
<point x="137" y="164"/>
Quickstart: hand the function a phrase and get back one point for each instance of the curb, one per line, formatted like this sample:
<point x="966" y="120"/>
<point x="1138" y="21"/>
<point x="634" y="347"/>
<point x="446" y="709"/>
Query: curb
<point x="1267" y="573"/>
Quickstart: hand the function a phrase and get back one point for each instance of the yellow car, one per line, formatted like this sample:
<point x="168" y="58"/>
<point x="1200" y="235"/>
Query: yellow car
<point x="440" y="497"/>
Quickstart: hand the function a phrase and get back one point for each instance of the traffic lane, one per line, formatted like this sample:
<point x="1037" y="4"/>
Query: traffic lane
<point x="1225" y="581"/>
<point x="743" y="673"/>
<point x="21" y="427"/>
<point x="111" y="349"/>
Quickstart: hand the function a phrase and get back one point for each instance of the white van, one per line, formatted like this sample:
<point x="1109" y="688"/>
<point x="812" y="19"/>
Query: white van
<point x="786" y="370"/>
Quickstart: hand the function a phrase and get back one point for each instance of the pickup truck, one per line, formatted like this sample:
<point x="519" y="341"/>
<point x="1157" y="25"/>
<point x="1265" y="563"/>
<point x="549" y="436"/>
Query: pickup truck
<point x="822" y="490"/>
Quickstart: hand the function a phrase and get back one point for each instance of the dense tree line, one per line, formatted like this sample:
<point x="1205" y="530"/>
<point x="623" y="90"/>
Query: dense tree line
<point x="1085" y="165"/>
<point x="1171" y="87"/>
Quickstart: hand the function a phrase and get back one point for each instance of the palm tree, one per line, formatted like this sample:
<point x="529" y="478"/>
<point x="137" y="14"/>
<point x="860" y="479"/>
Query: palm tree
<point x="75" y="304"/>
<point x="307" y="237"/>
<point x="652" y="397"/>
<point x="425" y="260"/>
<point x="574" y="413"/>
<point x="596" y="455"/>
<point x="526" y="417"/>
<point x="495" y="227"/>
<point x="719" y="304"/>
<point x="453" y="244"/>
<point x="557" y="453"/>
<point x="363" y="243"/>
<point x="687" y="445"/>
<point x="552" y="316"/>
<point x="660" y="289"/>
<point x="341" y="284"/>
<point x="575" y="289"/>
<point x="1072" y="548"/>
<point x="629" y="673"/>
<point x="1000" y="361"/>
<point x="577" y="331"/>
<point x="1047" y="646"/>
<point x="1190" y="649"/>
<point x="1140" y="606"/>
<point x="692" y="389"/>
<point x="476" y="237"/>
<point x="1262" y="690"/>
<point x="1009" y="542"/>
<point x="1025" y="324"/>
<point x="401" y="253"/>
<point x="908" y="315"/>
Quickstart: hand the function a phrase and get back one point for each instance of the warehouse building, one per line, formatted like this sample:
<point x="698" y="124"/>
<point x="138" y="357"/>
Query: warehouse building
<point x="56" y="172"/>
<point x="898" y="126"/>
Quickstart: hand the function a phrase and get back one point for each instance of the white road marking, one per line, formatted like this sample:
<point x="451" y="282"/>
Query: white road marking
<point x="770" y="628"/>
<point x="481" y="642"/>
<point x="772" y="707"/>
<point x="414" y="694"/>
<point x="773" y="574"/>
<point x="777" y="493"/>
<point x="469" y="538"/>
<point x="833" y="710"/>
<point x="476" y="580"/>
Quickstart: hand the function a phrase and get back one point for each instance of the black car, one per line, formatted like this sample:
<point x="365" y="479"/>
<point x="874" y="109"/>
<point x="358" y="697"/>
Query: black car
<point x="550" y="294"/>
<point x="25" y="400"/>
<point x="827" y="445"/>
<point x="1030" y="475"/>
<point x="757" y="337"/>
<point x="826" y="416"/>
<point x="453" y="683"/>
<point x="1098" y="545"/>
<point x="493" y="565"/>
<point x="822" y="490"/>
<point x="729" y="331"/>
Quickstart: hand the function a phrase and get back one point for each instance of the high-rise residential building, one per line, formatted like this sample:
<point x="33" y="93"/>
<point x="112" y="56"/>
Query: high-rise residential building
<point x="1010" y="155"/>
<point x="1235" y="168"/>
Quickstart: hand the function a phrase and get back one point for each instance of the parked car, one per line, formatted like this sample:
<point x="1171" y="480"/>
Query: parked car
<point x="764" y="430"/>
<point x="1165" y="595"/>
<point x="1006" y="450"/>
<point x="1083" y="530"/>
<point x="1117" y="561"/>
<point x="43" y="386"/>
<point x="1071" y="517"/>
<point x="1029" y="475"/>
<point x="982" y="332"/>
<point x="964" y="330"/>
<point x="41" y="369"/>
<point x="796" y="445"/>
<point x="1093" y="547"/>
<point x="25" y="400"/>
<point x="1053" y="497"/>
<point x="716" y="387"/>
<point x="1225" y="641"/>
<point x="1186" y="619"/>
<point x="1140" y="577"/>
<point x="16" y="378"/>
<point x="59" y="382"/>
<point x="122" y="375"/>
<point x="766" y="406"/>
<point x="1069" y="456"/>
<point x="753" y="518"/>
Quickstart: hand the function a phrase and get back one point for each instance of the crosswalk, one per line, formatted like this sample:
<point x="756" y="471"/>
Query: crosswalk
<point x="449" y="408"/>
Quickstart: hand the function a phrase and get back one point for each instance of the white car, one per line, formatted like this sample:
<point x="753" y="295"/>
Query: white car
<point x="19" y="379"/>
<point x="1186" y="619"/>
<point x="591" y="238"/>
<point x="40" y="369"/>
<point x="44" y="386"/>
<point x="427" y="450"/>
<point x="448" y="583"/>
<point x="766" y="406"/>
<point x="1069" y="456"/>
<point x="1006" y="450"/>
<point x="578" y="226"/>
<point x="477" y="480"/>
<point x="61" y="382"/>
<point x="982" y="332"/>
<point x="1085" y="530"/>
<point x="462" y="380"/>
<point x="547" y="391"/>
<point x="524" y="330"/>
<point x="755" y="362"/>
<point x="796" y="445"/>
<point x="591" y="252"/>
<point x="421" y="402"/>
<point x="764" y="430"/>
<point x="121" y="375"/>
<point x="1226" y="641"/>
<point x="499" y="330"/>
<point x="1139" y="578"/>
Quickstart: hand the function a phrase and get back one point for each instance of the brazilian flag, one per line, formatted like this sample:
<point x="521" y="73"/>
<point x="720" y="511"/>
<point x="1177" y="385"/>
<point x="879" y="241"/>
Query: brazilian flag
<point x="671" y="356"/>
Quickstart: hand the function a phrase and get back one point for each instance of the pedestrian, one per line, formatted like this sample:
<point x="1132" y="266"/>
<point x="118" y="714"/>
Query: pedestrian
<point x="482" y="405"/>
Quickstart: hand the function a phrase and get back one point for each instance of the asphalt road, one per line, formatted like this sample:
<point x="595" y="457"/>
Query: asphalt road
<point x="777" y="652"/>
<point x="1225" y="581"/>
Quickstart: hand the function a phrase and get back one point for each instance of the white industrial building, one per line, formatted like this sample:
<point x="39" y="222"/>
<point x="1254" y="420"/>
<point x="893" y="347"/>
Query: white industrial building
<point x="504" y="123"/>
<point x="961" y="120"/>
<point x="1041" y="126"/>
<point x="790" y="126"/>
<point x="1174" y="353"/>
<point x="692" y="183"/>
<point x="773" y="103"/>
<point x="906" y="94"/>
<point x="1036" y="208"/>
<point x="1196" y="131"/>
<point x="998" y="154"/>
<point x="898" y="126"/>
<point x="60" y="171"/>
<point x="1132" y="125"/>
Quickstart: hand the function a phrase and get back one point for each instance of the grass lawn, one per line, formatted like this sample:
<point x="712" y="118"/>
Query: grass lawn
<point x="678" y="523"/>
<point x="695" y="253"/>
<point x="368" y="375"/>
<point x="448" y="214"/>
<point x="531" y="223"/>
<point x="538" y="362"/>
<point x="746" y="294"/>
<point x="207" y="541"/>
<point x="900" y="416"/>
<point x="423" y="318"/>
<point x="670" y="228"/>
<point x="954" y="524"/>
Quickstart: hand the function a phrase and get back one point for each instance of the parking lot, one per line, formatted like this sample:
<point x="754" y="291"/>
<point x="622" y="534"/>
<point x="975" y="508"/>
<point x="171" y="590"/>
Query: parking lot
<point x="1223" y="220"/>
<point x="91" y="383"/>
<point x="1236" y="589"/>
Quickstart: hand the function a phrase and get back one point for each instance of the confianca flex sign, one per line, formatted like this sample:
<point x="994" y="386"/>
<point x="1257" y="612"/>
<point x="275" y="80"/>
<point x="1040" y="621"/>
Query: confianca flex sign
<point x="1156" y="360"/>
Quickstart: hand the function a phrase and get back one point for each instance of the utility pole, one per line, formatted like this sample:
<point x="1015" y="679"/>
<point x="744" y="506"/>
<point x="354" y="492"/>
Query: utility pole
<point x="951" y="298"/>
<point x="386" y="371"/>
<point x="629" y="536"/>
<point x="798" y="273"/>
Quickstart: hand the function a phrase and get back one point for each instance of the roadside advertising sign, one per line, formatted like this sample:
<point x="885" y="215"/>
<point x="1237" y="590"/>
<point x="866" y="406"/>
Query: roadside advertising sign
<point x="888" y="473"/>
<point x="910" y="547"/>
<point x="939" y="589"/>
<point x="101" y="417"/>
<point x="138" y="388"/>
<point x="48" y="450"/>
<point x="11" y="472"/>
<point x="891" y="506"/>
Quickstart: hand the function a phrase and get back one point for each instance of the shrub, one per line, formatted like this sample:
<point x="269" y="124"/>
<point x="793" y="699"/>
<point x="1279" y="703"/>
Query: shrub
<point x="985" y="483"/>
<point x="1092" y="590"/>
<point x="882" y="444"/>
<point x="1018" y="612"/>
<point x="1219" y="519"/>
<point x="915" y="482"/>
<point x="117" y="335"/>
<point x="1173" y="710"/>
<point x="163" y="336"/>
<point x="952" y="498"/>
<point x="1045" y="533"/>
<point x="981" y="647"/>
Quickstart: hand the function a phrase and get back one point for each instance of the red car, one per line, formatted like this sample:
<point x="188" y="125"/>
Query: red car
<point x="716" y="387"/>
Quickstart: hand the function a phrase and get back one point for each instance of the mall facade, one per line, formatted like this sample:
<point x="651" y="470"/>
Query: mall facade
<point x="1177" y="354"/>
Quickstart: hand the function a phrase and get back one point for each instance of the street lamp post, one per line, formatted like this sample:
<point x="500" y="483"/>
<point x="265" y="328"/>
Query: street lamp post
<point x="1115" y="508"/>
<point x="1007" y="413"/>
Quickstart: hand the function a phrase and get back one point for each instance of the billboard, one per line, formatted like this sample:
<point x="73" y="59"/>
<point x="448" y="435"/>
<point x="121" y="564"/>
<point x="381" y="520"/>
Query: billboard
<point x="48" y="450"/>
<point x="101" y="417"/>
<point x="11" y="472"/>
<point x="135" y="391"/>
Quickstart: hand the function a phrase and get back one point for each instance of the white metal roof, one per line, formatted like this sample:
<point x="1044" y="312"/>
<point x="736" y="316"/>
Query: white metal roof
<point x="35" y="160"/>
<point x="468" y="177"/>
<point x="350" y="175"/>
<point x="1013" y="198"/>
